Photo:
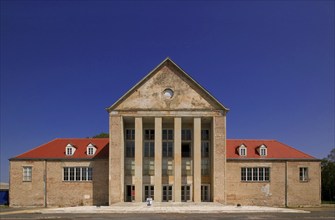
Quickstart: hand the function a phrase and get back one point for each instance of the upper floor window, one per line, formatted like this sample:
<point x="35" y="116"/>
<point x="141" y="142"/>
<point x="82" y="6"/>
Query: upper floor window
<point x="149" y="134"/>
<point x="27" y="174"/>
<point x="205" y="135"/>
<point x="167" y="134"/>
<point x="303" y="174"/>
<point x="130" y="134"/>
<point x="186" y="135"/>
<point x="69" y="150"/>
<point x="242" y="150"/>
<point x="91" y="149"/>
<point x="262" y="150"/>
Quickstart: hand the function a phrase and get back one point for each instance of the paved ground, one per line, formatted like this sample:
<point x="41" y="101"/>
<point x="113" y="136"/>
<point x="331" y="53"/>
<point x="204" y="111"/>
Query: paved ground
<point x="323" y="213"/>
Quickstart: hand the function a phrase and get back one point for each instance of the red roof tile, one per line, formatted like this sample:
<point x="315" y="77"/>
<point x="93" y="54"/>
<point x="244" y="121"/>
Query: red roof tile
<point x="55" y="149"/>
<point x="275" y="150"/>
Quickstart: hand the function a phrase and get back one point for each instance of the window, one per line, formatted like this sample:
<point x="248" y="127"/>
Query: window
<point x="167" y="167"/>
<point x="27" y="174"/>
<point x="167" y="134"/>
<point x="167" y="193"/>
<point x="130" y="143"/>
<point x="77" y="173"/>
<point x="185" y="193"/>
<point x="91" y="149"/>
<point x="205" y="135"/>
<point x="149" y="192"/>
<point x="149" y="167"/>
<point x="186" y="135"/>
<point x="205" y="167"/>
<point x="262" y="150"/>
<point x="303" y="174"/>
<point x="130" y="134"/>
<point x="242" y="150"/>
<point x="149" y="134"/>
<point x="255" y="174"/>
<point x="186" y="150"/>
<point x="129" y="167"/>
<point x="149" y="149"/>
<point x="69" y="150"/>
<point x="186" y="167"/>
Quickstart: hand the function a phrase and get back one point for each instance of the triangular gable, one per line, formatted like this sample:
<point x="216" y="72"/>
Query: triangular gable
<point x="154" y="90"/>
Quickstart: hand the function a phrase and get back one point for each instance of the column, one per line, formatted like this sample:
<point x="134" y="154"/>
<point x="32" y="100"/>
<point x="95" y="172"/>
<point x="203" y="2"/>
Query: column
<point x="115" y="159"/>
<point x="197" y="159"/>
<point x="158" y="159"/>
<point x="219" y="158"/>
<point x="177" y="160"/>
<point x="138" y="159"/>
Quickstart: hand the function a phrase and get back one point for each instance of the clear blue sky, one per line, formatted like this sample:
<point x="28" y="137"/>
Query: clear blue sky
<point x="64" y="62"/>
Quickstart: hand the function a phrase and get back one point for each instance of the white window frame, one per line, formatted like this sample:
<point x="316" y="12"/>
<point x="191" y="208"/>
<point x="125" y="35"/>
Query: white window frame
<point x="91" y="149"/>
<point x="242" y="150"/>
<point x="303" y="174"/>
<point x="27" y="173"/>
<point x="75" y="174"/>
<point x="262" y="150"/>
<point x="255" y="174"/>
<point x="69" y="150"/>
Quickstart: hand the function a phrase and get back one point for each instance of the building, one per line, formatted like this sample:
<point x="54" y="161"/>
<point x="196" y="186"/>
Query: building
<point x="4" y="191"/>
<point x="167" y="142"/>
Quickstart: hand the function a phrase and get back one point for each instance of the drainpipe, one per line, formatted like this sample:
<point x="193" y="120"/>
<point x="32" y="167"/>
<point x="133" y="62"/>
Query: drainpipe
<point x="286" y="184"/>
<point x="45" y="183"/>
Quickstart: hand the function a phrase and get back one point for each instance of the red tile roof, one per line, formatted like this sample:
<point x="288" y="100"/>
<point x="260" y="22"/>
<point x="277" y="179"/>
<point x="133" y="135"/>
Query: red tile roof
<point x="55" y="149"/>
<point x="275" y="150"/>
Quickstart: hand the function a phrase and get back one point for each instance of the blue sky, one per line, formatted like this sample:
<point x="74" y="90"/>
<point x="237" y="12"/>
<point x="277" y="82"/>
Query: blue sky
<point x="64" y="62"/>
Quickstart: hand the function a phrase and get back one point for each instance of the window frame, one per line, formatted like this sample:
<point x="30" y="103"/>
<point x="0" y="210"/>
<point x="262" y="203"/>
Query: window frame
<point x="303" y="174"/>
<point x="255" y="174"/>
<point x="77" y="174"/>
<point x="27" y="174"/>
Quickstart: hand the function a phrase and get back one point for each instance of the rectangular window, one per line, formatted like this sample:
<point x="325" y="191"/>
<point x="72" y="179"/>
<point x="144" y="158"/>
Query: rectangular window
<point x="167" y="134"/>
<point x="77" y="173"/>
<point x="149" y="192"/>
<point x="130" y="134"/>
<point x="129" y="167"/>
<point x="204" y="149"/>
<point x="303" y="174"/>
<point x="205" y="135"/>
<point x="149" y="167"/>
<point x="149" y="149"/>
<point x="185" y="193"/>
<point x="167" y="193"/>
<point x="27" y="174"/>
<point x="130" y="143"/>
<point x="186" y="135"/>
<point x="167" y="150"/>
<point x="255" y="174"/>
<point x="205" y="167"/>
<point x="149" y="134"/>
<point x="186" y="167"/>
<point x="167" y="167"/>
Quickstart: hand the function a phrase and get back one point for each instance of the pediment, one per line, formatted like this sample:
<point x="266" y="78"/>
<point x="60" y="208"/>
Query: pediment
<point x="167" y="87"/>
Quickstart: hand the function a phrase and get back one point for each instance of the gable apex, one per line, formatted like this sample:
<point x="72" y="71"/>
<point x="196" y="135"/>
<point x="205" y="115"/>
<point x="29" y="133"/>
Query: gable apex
<point x="182" y="76"/>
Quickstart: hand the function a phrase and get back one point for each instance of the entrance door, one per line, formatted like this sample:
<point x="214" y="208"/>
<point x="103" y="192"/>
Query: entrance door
<point x="185" y="193"/>
<point x="149" y="191"/>
<point x="130" y="193"/>
<point x="205" y="192"/>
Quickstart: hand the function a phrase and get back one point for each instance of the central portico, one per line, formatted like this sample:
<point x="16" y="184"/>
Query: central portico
<point x="167" y="141"/>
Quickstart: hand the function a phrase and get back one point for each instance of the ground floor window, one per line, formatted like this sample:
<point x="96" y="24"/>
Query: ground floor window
<point x="167" y="193"/>
<point x="205" y="193"/>
<point x="77" y="173"/>
<point x="130" y="193"/>
<point x="149" y="192"/>
<point x="185" y="193"/>
<point x="303" y="174"/>
<point x="255" y="174"/>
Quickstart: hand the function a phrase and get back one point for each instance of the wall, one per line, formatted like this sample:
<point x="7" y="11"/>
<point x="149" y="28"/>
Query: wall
<point x="58" y="192"/>
<point x="272" y="193"/>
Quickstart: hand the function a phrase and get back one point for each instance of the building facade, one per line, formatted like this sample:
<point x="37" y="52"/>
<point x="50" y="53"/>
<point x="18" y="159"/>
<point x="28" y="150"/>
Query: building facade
<point x="167" y="141"/>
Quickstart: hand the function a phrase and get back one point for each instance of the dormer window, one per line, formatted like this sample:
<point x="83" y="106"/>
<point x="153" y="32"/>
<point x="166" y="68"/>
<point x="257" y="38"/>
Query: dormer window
<point x="242" y="150"/>
<point x="69" y="150"/>
<point x="91" y="149"/>
<point x="262" y="150"/>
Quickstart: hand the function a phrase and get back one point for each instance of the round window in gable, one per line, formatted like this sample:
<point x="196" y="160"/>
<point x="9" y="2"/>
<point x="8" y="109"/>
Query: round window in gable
<point x="168" y="93"/>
